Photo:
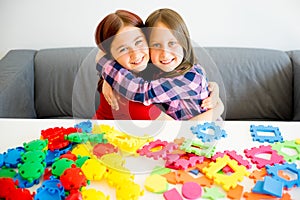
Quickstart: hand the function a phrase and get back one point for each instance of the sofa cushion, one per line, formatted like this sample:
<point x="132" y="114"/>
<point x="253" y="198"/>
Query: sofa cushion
<point x="258" y="83"/>
<point x="55" y="72"/>
<point x="295" y="57"/>
<point x="17" y="84"/>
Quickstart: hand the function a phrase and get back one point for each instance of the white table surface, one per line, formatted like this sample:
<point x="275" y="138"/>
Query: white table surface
<point x="14" y="132"/>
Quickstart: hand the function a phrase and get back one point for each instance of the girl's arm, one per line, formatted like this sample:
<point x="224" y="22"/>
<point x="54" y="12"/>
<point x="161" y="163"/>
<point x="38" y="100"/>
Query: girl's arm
<point x="156" y="91"/>
<point x="211" y="114"/>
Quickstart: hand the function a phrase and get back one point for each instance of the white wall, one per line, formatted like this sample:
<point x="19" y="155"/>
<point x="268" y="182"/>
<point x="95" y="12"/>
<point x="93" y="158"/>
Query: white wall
<point x="38" y="24"/>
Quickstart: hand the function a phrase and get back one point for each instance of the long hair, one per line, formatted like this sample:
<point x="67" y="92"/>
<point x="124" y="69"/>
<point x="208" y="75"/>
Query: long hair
<point x="111" y="24"/>
<point x="109" y="27"/>
<point x="177" y="26"/>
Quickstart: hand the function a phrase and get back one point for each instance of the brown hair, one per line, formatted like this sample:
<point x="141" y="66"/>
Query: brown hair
<point x="175" y="23"/>
<point x="109" y="27"/>
<point x="111" y="24"/>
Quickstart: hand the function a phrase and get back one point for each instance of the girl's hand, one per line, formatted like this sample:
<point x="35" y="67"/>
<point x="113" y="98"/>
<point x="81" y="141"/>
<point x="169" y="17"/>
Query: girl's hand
<point x="110" y="96"/>
<point x="211" y="101"/>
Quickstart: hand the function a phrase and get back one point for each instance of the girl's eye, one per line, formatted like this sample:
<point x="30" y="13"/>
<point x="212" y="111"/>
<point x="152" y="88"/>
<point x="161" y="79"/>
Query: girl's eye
<point x="122" y="50"/>
<point x="139" y="43"/>
<point x="172" y="43"/>
<point x="155" y="45"/>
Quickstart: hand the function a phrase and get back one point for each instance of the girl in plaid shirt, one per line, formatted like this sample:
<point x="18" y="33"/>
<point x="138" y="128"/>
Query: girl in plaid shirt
<point x="182" y="85"/>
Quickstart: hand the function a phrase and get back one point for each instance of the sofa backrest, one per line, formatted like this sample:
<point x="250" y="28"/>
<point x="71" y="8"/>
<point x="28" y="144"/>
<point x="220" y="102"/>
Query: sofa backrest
<point x="258" y="83"/>
<point x="55" y="74"/>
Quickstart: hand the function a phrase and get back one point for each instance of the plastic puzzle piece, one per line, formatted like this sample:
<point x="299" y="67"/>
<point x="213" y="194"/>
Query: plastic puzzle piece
<point x="51" y="156"/>
<point x="78" y="137"/>
<point x="172" y="194"/>
<point x="101" y="149"/>
<point x="93" y="169"/>
<point x="227" y="181"/>
<point x="69" y="156"/>
<point x="117" y="178"/>
<point x="258" y="174"/>
<point x="36" y="145"/>
<point x="1" y="159"/>
<point x="52" y="185"/>
<point x="7" y="173"/>
<point x="171" y="177"/>
<point x="23" y="183"/>
<point x="292" y="167"/>
<point x="13" y="157"/>
<point x="197" y="147"/>
<point x="289" y="145"/>
<point x="160" y="170"/>
<point x="92" y="194"/>
<point x="60" y="165"/>
<point x="34" y="156"/>
<point x="114" y="161"/>
<point x="47" y="194"/>
<point x="269" y="186"/>
<point x="261" y="162"/>
<point x="73" y="179"/>
<point x="126" y="142"/>
<point x="212" y="193"/>
<point x="235" y="193"/>
<point x="183" y="161"/>
<point x="260" y="138"/>
<point x="20" y="194"/>
<point x="234" y="156"/>
<point x="74" y="195"/>
<point x="85" y="126"/>
<point x="81" y="160"/>
<point x="199" y="131"/>
<point x="31" y="170"/>
<point x="7" y="185"/>
<point x="129" y="190"/>
<point x="56" y="137"/>
<point x="82" y="150"/>
<point x="191" y="190"/>
<point x="165" y="148"/>
<point x="156" y="183"/>
<point x="97" y="138"/>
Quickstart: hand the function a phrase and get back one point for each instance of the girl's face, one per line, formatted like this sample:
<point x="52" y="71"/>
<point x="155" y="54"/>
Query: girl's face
<point x="130" y="49"/>
<point x="165" y="51"/>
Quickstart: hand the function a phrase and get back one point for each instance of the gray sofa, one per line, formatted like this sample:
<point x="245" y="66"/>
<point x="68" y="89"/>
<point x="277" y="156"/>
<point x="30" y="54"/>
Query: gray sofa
<point x="255" y="84"/>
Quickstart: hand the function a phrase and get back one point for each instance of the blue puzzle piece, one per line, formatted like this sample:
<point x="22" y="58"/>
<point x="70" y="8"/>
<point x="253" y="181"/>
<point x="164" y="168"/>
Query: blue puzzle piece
<point x="260" y="138"/>
<point x="199" y="132"/>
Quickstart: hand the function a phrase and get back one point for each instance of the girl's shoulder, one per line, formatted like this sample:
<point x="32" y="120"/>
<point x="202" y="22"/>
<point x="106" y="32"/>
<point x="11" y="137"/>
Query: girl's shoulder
<point x="197" y="68"/>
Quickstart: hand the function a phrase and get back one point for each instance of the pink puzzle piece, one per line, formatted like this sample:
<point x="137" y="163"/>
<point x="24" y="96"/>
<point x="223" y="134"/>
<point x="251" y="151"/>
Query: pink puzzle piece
<point x="261" y="162"/>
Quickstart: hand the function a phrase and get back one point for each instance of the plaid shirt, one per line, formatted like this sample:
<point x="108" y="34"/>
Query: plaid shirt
<point x="180" y="96"/>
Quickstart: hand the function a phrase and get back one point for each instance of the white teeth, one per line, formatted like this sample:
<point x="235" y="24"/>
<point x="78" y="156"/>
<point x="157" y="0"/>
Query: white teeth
<point x="138" y="61"/>
<point x="166" y="61"/>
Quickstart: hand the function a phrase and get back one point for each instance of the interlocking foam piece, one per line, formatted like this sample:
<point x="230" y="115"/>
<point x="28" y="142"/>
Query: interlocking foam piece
<point x="233" y="155"/>
<point x="218" y="132"/>
<point x="235" y="193"/>
<point x="199" y="148"/>
<point x="227" y="181"/>
<point x="191" y="190"/>
<point x="156" y="183"/>
<point x="258" y="174"/>
<point x="257" y="196"/>
<point x="261" y="162"/>
<point x="289" y="145"/>
<point x="172" y="194"/>
<point x="292" y="167"/>
<point x="171" y="177"/>
<point x="260" y="138"/>
<point x="273" y="186"/>
<point x="166" y="147"/>
<point x="184" y="161"/>
<point x="212" y="193"/>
